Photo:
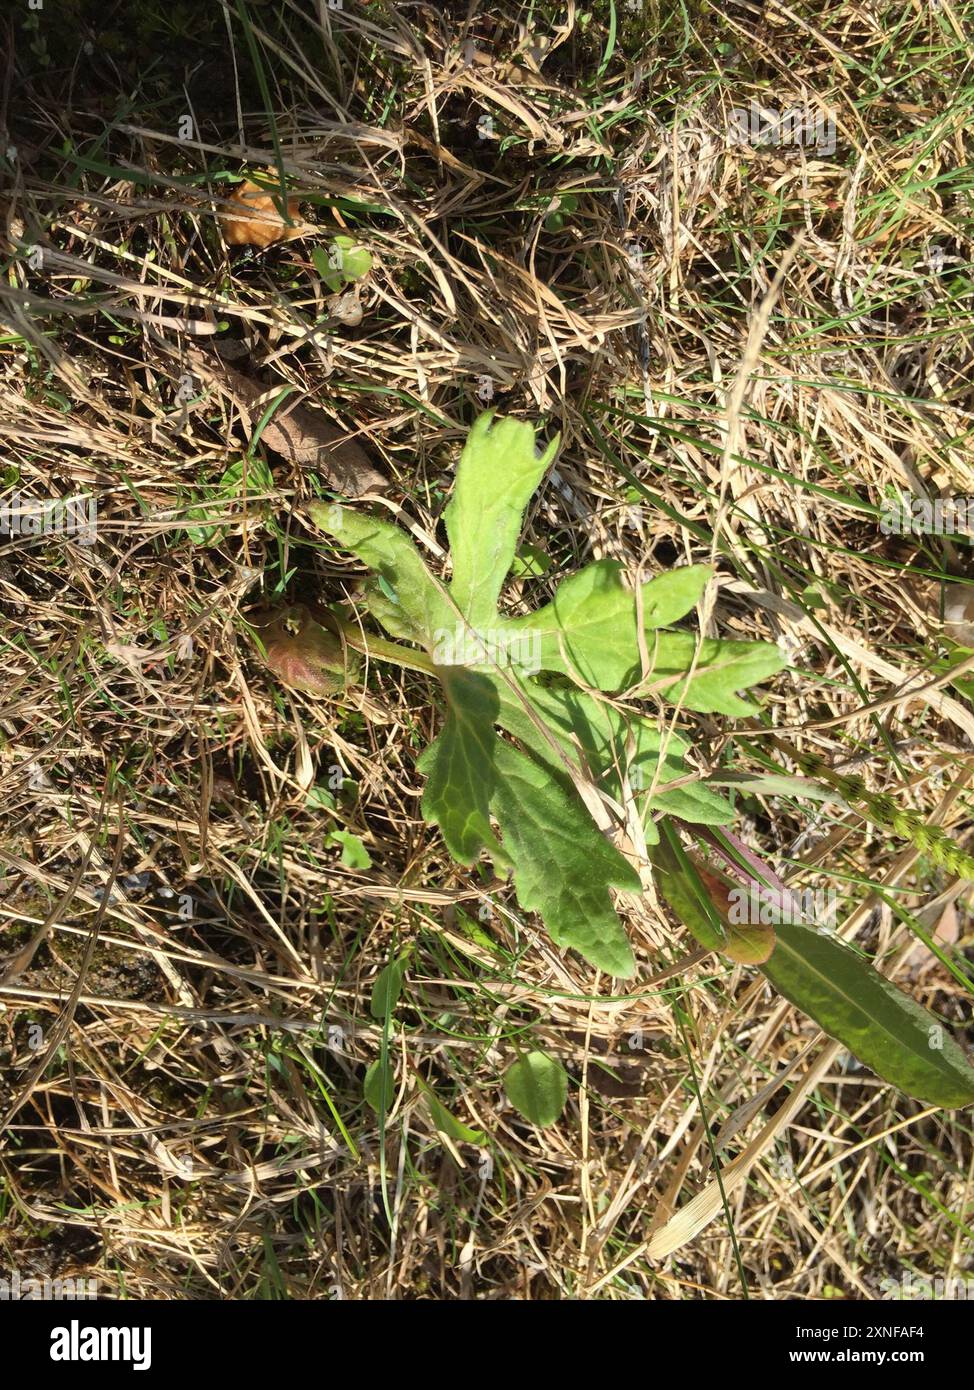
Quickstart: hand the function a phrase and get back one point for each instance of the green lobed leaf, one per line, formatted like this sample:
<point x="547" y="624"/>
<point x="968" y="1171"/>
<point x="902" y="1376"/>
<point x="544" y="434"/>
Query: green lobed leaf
<point x="497" y="475"/>
<point x="606" y="735"/>
<point x="671" y="595"/>
<point x="612" y="740"/>
<point x="722" y="667"/>
<point x="590" y="628"/>
<point x="388" y="551"/>
<point x="872" y="1017"/>
<point x="590" y="632"/>
<point x="459" y="766"/>
<point x="563" y="865"/>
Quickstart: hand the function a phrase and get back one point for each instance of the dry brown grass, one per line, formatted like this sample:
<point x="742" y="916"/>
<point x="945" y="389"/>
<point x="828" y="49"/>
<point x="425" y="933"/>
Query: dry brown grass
<point x="173" y="1126"/>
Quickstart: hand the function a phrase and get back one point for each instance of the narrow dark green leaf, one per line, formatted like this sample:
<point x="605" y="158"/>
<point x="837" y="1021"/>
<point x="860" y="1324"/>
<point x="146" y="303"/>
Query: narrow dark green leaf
<point x="870" y="1015"/>
<point x="448" y="1124"/>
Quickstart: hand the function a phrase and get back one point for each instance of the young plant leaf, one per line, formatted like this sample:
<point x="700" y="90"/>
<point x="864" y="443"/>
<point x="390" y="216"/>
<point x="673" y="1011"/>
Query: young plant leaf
<point x="387" y="988"/>
<point x="537" y="1087"/>
<point x="420" y="603"/>
<point x="590" y="628"/>
<point x="448" y="1124"/>
<point x="483" y="520"/>
<point x="460" y="768"/>
<point x="590" y="632"/>
<point x="543" y="824"/>
<point x="354" y="854"/>
<point x="612" y="741"/>
<point x="721" y="669"/>
<point x="331" y="274"/>
<point x="670" y="596"/>
<point x="356" y="260"/>
<point x="320" y="798"/>
<point x="870" y="1015"/>
<point x="379" y="1087"/>
<point x="564" y="867"/>
<point x="341" y="263"/>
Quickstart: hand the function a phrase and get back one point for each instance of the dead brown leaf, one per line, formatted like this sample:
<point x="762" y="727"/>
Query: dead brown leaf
<point x="259" y="222"/>
<point x="302" y="435"/>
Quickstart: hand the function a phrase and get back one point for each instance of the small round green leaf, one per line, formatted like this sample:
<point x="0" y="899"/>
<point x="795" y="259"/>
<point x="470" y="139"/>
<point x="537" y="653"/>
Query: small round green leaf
<point x="356" y="263"/>
<point x="537" y="1087"/>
